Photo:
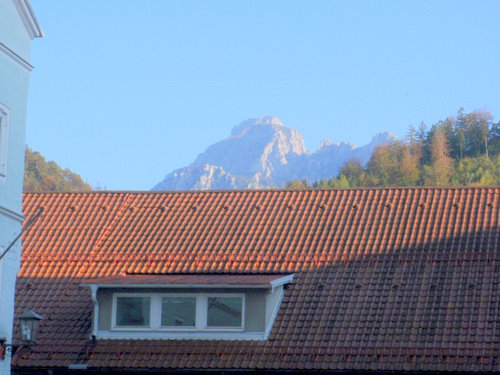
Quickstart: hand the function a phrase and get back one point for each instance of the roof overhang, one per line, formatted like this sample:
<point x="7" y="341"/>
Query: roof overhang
<point x="29" y="19"/>
<point x="190" y="281"/>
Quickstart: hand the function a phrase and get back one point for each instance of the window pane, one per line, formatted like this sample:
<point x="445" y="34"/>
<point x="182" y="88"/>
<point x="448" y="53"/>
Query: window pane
<point x="178" y="311"/>
<point x="224" y="311"/>
<point x="132" y="311"/>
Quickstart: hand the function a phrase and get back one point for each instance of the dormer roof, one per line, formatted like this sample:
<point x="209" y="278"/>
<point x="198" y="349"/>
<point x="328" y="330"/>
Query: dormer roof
<point x="190" y="281"/>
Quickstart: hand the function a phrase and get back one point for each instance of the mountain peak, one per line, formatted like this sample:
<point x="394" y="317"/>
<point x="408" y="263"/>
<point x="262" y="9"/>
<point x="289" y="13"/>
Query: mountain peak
<point x="264" y="120"/>
<point x="262" y="153"/>
<point x="383" y="138"/>
<point x="323" y="143"/>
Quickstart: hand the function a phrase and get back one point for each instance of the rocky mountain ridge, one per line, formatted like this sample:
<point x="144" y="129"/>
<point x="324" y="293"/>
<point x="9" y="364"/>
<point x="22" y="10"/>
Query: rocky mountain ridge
<point x="262" y="153"/>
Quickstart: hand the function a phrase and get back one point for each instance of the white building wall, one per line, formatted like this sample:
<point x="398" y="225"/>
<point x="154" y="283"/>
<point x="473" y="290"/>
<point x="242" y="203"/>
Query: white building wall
<point x="17" y="28"/>
<point x="12" y="29"/>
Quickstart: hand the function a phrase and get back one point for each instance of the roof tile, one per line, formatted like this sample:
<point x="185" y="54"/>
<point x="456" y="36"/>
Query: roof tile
<point x="386" y="279"/>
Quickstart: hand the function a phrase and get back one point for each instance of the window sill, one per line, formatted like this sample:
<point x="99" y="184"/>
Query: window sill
<point x="177" y="335"/>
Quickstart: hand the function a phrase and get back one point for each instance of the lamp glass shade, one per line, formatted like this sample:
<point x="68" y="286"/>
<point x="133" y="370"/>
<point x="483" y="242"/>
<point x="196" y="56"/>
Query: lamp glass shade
<point x="29" y="322"/>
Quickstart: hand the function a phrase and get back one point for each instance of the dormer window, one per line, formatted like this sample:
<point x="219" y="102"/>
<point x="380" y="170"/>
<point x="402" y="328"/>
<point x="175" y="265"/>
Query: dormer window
<point x="225" y="311"/>
<point x="178" y="312"/>
<point x="186" y="306"/>
<point x="131" y="311"/>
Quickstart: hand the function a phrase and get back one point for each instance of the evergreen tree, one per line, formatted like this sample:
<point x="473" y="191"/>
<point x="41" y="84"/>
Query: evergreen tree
<point x="462" y="150"/>
<point x="494" y="139"/>
<point x="475" y="126"/>
<point x="461" y="142"/>
<point x="323" y="183"/>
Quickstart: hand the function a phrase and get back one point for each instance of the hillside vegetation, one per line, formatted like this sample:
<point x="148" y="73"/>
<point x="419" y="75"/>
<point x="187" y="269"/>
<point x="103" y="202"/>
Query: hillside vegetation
<point x="462" y="150"/>
<point x="43" y="176"/>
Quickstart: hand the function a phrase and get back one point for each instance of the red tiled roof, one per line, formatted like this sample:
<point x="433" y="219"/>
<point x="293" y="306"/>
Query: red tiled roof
<point x="386" y="279"/>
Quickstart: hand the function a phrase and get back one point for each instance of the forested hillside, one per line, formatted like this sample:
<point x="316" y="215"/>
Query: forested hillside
<point x="462" y="150"/>
<point x="41" y="175"/>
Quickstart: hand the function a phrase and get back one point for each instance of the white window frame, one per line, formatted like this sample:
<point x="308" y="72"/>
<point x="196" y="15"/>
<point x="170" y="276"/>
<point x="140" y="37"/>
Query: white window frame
<point x="131" y="328"/>
<point x="215" y="328"/>
<point x="201" y="314"/>
<point x="4" y="139"/>
<point x="179" y="328"/>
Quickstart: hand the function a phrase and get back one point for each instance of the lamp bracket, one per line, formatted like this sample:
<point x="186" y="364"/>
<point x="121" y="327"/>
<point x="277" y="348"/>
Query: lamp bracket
<point x="6" y="350"/>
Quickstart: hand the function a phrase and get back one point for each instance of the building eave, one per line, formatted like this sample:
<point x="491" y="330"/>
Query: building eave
<point x="15" y="57"/>
<point x="11" y="214"/>
<point x="29" y="19"/>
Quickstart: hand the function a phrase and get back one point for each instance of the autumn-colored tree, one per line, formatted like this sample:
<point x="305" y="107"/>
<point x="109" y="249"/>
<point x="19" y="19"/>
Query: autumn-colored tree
<point x="459" y="150"/>
<point x="411" y="155"/>
<point x="40" y="175"/>
<point x="384" y="165"/>
<point x="296" y="185"/>
<point x="409" y="173"/>
<point x="441" y="163"/>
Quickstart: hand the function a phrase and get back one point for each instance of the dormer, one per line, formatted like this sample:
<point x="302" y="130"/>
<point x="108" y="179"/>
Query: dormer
<point x="214" y="306"/>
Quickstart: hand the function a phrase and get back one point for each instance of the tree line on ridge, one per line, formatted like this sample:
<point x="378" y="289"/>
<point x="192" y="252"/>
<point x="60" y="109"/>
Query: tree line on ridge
<point x="462" y="150"/>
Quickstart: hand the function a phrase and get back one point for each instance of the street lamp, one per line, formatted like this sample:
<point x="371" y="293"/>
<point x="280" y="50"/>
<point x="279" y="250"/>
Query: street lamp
<point x="29" y="322"/>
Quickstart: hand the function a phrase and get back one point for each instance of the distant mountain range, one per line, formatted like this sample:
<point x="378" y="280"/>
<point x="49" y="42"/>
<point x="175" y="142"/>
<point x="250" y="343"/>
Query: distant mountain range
<point x="262" y="153"/>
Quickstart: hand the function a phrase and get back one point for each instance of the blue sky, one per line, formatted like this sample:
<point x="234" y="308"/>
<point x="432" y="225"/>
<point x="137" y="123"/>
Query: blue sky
<point x="124" y="91"/>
